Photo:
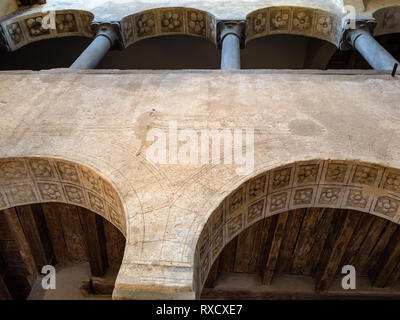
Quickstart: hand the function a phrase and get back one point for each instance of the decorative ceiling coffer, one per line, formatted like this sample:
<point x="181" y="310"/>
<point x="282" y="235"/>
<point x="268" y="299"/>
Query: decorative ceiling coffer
<point x="302" y="21"/>
<point x="24" y="29"/>
<point x="168" y="21"/>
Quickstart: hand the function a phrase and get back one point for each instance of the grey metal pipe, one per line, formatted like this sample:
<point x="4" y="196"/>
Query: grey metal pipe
<point x="376" y="55"/>
<point x="107" y="36"/>
<point x="230" y="57"/>
<point x="93" y="54"/>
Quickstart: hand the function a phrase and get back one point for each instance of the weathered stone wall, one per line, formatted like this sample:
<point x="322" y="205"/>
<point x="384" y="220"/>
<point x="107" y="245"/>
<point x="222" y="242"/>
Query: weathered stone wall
<point x="101" y="121"/>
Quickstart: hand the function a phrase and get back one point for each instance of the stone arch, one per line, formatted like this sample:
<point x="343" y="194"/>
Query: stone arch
<point x="168" y="21"/>
<point x="341" y="184"/>
<point x="28" y="180"/>
<point x="24" y="29"/>
<point x="294" y="20"/>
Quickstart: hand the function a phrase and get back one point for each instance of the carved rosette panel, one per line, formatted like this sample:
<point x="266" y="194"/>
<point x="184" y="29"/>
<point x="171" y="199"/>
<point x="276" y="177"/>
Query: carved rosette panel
<point x="294" y="20"/>
<point x="388" y="21"/>
<point x="327" y="184"/>
<point x="36" y="180"/>
<point x="168" y="21"/>
<point x="24" y="29"/>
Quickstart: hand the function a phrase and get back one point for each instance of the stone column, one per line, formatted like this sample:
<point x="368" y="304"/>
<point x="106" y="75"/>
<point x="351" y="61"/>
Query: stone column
<point x="230" y="41"/>
<point x="105" y="39"/>
<point x="361" y="39"/>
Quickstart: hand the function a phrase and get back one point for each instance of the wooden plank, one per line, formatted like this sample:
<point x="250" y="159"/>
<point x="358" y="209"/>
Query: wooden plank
<point x="293" y="226"/>
<point x="213" y="275"/>
<point x="43" y="233"/>
<point x="4" y="292"/>
<point x="227" y="256"/>
<point x="115" y="244"/>
<point x="36" y="236"/>
<point x="3" y="265"/>
<point x="361" y="262"/>
<point x="265" y="241"/>
<point x="254" y="266"/>
<point x="334" y="249"/>
<point x="306" y="240"/>
<point x="273" y="252"/>
<point x="320" y="236"/>
<point x="73" y="233"/>
<point x="388" y="261"/>
<point x="360" y="233"/>
<point x="23" y="245"/>
<point x="92" y="225"/>
<point x="51" y="214"/>
<point x="245" y="249"/>
<point x="287" y="288"/>
<point x="5" y="233"/>
<point x="394" y="277"/>
<point x="380" y="246"/>
<point x="10" y="253"/>
<point x="19" y="287"/>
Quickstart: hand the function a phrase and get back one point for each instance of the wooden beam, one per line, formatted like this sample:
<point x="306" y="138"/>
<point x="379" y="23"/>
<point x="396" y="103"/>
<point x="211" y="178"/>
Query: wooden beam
<point x="227" y="256"/>
<point x="73" y="233"/>
<point x="320" y="236"/>
<point x="380" y="274"/>
<point x="272" y="248"/>
<point x="4" y="293"/>
<point x="289" y="242"/>
<point x="394" y="277"/>
<point x="305" y="240"/>
<point x="22" y="243"/>
<point x="265" y="242"/>
<point x="92" y="225"/>
<point x="56" y="233"/>
<point x="381" y="244"/>
<point x="115" y="244"/>
<point x="213" y="275"/>
<point x="360" y="233"/>
<point x="32" y="222"/>
<point x="289" y="287"/>
<point x="335" y="247"/>
<point x="361" y="262"/>
<point x="246" y="250"/>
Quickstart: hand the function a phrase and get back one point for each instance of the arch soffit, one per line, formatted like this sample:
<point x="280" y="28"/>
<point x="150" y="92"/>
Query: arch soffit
<point x="388" y="20"/>
<point x="40" y="179"/>
<point x="304" y="21"/>
<point x="341" y="184"/>
<point x="24" y="29"/>
<point x="168" y="21"/>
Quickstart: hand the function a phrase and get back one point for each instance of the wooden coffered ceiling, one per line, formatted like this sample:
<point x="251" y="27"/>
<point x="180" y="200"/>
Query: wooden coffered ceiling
<point x="309" y="247"/>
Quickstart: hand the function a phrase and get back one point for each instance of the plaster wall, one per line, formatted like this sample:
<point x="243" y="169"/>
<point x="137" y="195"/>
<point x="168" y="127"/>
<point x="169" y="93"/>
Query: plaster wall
<point x="101" y="120"/>
<point x="115" y="10"/>
<point x="7" y="6"/>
